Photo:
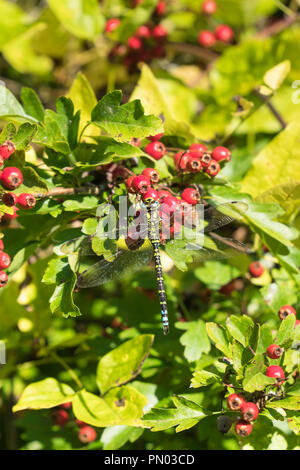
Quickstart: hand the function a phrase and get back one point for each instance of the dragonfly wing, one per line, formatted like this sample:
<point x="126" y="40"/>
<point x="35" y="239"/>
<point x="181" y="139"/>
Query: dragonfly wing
<point x="223" y="214"/>
<point x="217" y="248"/>
<point x="125" y="263"/>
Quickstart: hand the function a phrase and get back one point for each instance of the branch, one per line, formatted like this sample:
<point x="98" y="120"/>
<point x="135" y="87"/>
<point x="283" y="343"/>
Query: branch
<point x="277" y="27"/>
<point x="60" y="192"/>
<point x="273" y="110"/>
<point x="194" y="50"/>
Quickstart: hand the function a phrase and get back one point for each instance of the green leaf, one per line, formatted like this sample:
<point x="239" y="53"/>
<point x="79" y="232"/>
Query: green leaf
<point x="290" y="403"/>
<point x="115" y="437"/>
<point x="8" y="132"/>
<point x="44" y="394"/>
<point x="121" y="406"/>
<point x="22" y="256"/>
<point x="202" y="378"/>
<point x="125" y="121"/>
<point x="123" y="363"/>
<point x="81" y="203"/>
<point x="57" y="270"/>
<point x="134" y="18"/>
<point x="24" y="135"/>
<point x="184" y="416"/>
<point x="215" y="274"/>
<point x="255" y="379"/>
<point x="274" y="77"/>
<point x="286" y="331"/>
<point x="32" y="104"/>
<point x="81" y="17"/>
<point x="62" y="298"/>
<point x="195" y="340"/>
<point x="13" y="21"/>
<point x="218" y="336"/>
<point x="84" y="100"/>
<point x="49" y="134"/>
<point x="10" y="108"/>
<point x="265" y="338"/>
<point x="240" y="328"/>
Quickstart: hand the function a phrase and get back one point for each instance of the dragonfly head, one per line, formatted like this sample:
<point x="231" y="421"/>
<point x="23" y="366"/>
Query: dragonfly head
<point x="150" y="203"/>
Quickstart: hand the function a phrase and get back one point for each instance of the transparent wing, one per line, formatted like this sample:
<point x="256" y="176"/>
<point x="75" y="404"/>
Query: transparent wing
<point x="216" y="247"/>
<point x="216" y="217"/>
<point x="125" y="262"/>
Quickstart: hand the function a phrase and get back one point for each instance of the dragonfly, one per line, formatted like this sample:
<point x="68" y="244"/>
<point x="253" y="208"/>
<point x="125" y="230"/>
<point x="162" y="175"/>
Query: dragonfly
<point x="121" y="257"/>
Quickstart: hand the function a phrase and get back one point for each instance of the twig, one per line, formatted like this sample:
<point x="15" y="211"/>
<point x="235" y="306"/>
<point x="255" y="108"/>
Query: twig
<point x="59" y="192"/>
<point x="194" y="50"/>
<point x="271" y="107"/>
<point x="68" y="368"/>
<point x="277" y="27"/>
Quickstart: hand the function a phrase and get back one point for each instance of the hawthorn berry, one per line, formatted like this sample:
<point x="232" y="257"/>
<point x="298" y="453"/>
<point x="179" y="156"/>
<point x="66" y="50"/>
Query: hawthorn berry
<point x="3" y="279"/>
<point x="112" y="24"/>
<point x="170" y="202"/>
<point x="163" y="193"/>
<point x="11" y="216"/>
<point x="79" y="423"/>
<point x="223" y="423"/>
<point x="274" y="351"/>
<point x="141" y="184"/>
<point x="128" y="184"/>
<point x="159" y="32"/>
<point x="205" y="159"/>
<point x="4" y="260"/>
<point x="243" y="428"/>
<point x="224" y="33"/>
<point x="26" y="201"/>
<point x="1" y="244"/>
<point x="134" y="43"/>
<point x="297" y="322"/>
<point x="197" y="150"/>
<point x="286" y="310"/>
<point x="60" y="417"/>
<point x="194" y="164"/>
<point x="11" y="178"/>
<point x="9" y="199"/>
<point x="221" y="153"/>
<point x="143" y="31"/>
<point x="155" y="137"/>
<point x="212" y="168"/>
<point x="235" y="401"/>
<point x="152" y="174"/>
<point x="156" y="150"/>
<point x="87" y="434"/>
<point x="249" y="411"/>
<point x="66" y="406"/>
<point x="276" y="372"/>
<point x="191" y="195"/>
<point x="256" y="269"/>
<point x="160" y="8"/>
<point x="151" y="193"/>
<point x="181" y="160"/>
<point x="7" y="149"/>
<point x="232" y="286"/>
<point x="209" y="7"/>
<point x="206" y="38"/>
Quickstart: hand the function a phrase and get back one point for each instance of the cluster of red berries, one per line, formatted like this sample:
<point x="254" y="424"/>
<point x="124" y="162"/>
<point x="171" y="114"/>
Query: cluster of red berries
<point x="223" y="32"/>
<point x="11" y="178"/>
<point x="248" y="410"/>
<point x="145" y="44"/>
<point x="61" y="417"/>
<point x="199" y="158"/>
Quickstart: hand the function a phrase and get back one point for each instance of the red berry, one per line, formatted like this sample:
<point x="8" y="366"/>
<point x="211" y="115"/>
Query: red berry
<point x="194" y="164"/>
<point x="1" y="244"/>
<point x="143" y="31"/>
<point x="60" y="418"/>
<point x="276" y="372"/>
<point x="181" y="160"/>
<point x="128" y="183"/>
<point x="152" y="174"/>
<point x="209" y="7"/>
<point x="160" y="8"/>
<point x="191" y="195"/>
<point x="4" y="260"/>
<point x="197" y="150"/>
<point x="87" y="434"/>
<point x="80" y="424"/>
<point x="286" y="310"/>
<point x="163" y="193"/>
<point x="134" y="43"/>
<point x="297" y="322"/>
<point x="256" y="269"/>
<point x="119" y="50"/>
<point x="224" y="33"/>
<point x="159" y="32"/>
<point x="11" y="216"/>
<point x="243" y="428"/>
<point x="151" y="194"/>
<point x="221" y="153"/>
<point x="11" y="178"/>
<point x="26" y="201"/>
<point x="112" y="24"/>
<point x="66" y="406"/>
<point x="206" y="38"/>
<point x="9" y="199"/>
<point x="141" y="184"/>
<point x="274" y="351"/>
<point x="249" y="411"/>
<point x="155" y="137"/>
<point x="6" y="150"/>
<point x="205" y="159"/>
<point x="156" y="150"/>
<point x="3" y="279"/>
<point x="170" y="204"/>
<point x="212" y="168"/>
<point x="235" y="401"/>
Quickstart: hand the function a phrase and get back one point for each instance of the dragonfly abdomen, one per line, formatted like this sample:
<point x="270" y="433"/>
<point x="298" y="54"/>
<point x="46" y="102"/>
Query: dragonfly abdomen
<point x="161" y="287"/>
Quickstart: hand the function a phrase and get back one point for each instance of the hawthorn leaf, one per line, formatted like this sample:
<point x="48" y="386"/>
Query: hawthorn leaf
<point x="123" y="363"/>
<point x="240" y="328"/>
<point x="265" y="338"/>
<point x="219" y="337"/>
<point x="46" y="393"/>
<point x="286" y="331"/>
<point x="114" y="437"/>
<point x="32" y="104"/>
<point x="289" y="403"/>
<point x="202" y="378"/>
<point x="61" y="300"/>
<point x="195" y="340"/>
<point x="274" y="77"/>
